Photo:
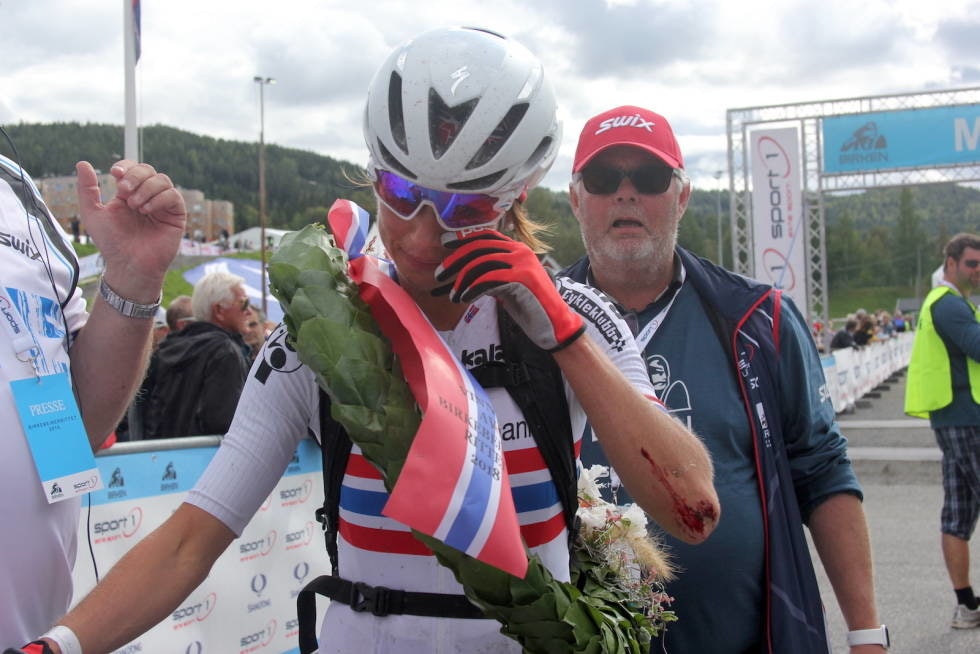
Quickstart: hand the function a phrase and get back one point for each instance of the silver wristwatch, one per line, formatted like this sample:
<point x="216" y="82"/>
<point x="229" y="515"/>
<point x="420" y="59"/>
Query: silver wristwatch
<point x="126" y="307"/>
<point x="876" y="636"/>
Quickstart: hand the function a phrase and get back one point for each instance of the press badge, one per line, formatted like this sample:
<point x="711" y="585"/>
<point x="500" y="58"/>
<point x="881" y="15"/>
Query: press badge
<point x="55" y="432"/>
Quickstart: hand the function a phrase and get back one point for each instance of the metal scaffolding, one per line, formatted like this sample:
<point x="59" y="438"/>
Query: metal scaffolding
<point x="808" y="117"/>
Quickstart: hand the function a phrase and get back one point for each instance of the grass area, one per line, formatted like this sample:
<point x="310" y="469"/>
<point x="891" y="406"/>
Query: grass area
<point x="843" y="301"/>
<point x="84" y="249"/>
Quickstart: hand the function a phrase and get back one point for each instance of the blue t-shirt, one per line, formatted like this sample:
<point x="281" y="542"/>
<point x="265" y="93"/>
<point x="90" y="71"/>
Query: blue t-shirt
<point x="718" y="593"/>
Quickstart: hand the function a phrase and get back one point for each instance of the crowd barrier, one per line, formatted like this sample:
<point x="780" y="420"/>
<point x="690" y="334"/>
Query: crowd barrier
<point x="248" y="602"/>
<point x="853" y="373"/>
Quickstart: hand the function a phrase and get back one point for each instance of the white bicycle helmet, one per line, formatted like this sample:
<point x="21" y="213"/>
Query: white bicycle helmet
<point x="463" y="110"/>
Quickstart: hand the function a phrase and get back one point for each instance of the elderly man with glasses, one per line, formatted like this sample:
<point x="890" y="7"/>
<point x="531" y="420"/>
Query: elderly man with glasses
<point x="197" y="373"/>
<point x="744" y="375"/>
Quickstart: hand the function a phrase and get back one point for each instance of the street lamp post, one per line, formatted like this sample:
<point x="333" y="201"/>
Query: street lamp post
<point x="262" y="81"/>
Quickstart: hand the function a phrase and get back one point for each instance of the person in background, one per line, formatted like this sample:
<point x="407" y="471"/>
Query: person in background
<point x="179" y="313"/>
<point x="137" y="232"/>
<point x="867" y="328"/>
<point x="885" y="326"/>
<point x="255" y="332"/>
<point x="717" y="344"/>
<point x="899" y="321"/>
<point x="160" y="328"/>
<point x="944" y="385"/>
<point x="197" y="373"/>
<point x="504" y="106"/>
<point x="845" y="336"/>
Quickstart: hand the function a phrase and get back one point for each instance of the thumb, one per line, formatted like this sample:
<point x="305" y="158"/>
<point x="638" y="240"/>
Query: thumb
<point x="87" y="187"/>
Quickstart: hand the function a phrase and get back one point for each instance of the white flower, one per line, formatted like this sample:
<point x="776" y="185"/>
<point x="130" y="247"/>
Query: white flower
<point x="616" y="537"/>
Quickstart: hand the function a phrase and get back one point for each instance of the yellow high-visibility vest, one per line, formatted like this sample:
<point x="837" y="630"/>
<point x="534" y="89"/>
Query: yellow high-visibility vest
<point x="930" y="384"/>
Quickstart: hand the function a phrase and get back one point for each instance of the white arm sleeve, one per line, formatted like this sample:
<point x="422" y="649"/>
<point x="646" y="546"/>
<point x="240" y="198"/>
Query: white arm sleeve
<point x="277" y="409"/>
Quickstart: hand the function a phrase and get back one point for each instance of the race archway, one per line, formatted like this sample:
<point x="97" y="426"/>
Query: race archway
<point x="783" y="159"/>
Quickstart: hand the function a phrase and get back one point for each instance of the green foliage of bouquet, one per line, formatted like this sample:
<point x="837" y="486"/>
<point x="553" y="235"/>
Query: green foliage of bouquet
<point x="334" y="334"/>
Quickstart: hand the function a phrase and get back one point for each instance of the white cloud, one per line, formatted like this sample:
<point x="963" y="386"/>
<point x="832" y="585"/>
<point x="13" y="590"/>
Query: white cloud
<point x="691" y="61"/>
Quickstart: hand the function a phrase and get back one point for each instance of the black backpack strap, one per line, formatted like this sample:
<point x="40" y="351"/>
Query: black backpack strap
<point x="335" y="447"/>
<point x="536" y="385"/>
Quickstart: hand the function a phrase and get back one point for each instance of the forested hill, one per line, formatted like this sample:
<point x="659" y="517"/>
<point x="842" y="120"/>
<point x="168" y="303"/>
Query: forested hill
<point x="875" y="238"/>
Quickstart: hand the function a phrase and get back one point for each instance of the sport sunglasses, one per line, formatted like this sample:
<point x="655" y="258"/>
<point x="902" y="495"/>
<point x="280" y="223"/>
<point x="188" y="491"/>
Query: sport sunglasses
<point x="652" y="179"/>
<point x="454" y="211"/>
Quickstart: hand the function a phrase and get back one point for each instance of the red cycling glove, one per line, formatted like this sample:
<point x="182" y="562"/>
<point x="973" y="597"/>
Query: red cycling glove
<point x="487" y="262"/>
<point x="34" y="647"/>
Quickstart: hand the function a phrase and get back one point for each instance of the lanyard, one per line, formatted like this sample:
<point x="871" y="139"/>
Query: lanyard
<point x="674" y="287"/>
<point x="643" y="338"/>
<point x="21" y="338"/>
<point x="651" y="327"/>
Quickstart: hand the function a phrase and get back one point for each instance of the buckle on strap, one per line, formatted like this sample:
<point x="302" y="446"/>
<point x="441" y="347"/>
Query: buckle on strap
<point x="376" y="599"/>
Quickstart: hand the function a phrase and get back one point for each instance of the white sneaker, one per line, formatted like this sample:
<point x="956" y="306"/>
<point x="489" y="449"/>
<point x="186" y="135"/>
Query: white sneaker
<point x="964" y="618"/>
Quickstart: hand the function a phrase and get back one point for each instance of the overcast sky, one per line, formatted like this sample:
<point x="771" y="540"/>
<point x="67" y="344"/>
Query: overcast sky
<point x="691" y="60"/>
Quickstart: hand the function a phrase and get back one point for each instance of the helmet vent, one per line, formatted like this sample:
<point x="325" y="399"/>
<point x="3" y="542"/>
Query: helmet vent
<point x="391" y="163"/>
<point x="445" y="122"/>
<point x="397" y="115"/>
<point x="539" y="152"/>
<point x="477" y="184"/>
<point x="503" y="131"/>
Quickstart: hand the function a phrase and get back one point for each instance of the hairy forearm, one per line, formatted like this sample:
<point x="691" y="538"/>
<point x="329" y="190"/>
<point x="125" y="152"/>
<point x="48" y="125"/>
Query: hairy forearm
<point x="840" y="534"/>
<point x="108" y="360"/>
<point x="664" y="466"/>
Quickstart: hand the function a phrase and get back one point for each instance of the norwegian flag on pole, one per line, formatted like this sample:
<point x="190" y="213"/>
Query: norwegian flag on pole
<point x="454" y="483"/>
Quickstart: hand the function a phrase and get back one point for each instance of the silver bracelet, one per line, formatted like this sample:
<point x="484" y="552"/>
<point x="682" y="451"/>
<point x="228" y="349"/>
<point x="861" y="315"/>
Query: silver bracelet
<point x="126" y="307"/>
<point x="65" y="638"/>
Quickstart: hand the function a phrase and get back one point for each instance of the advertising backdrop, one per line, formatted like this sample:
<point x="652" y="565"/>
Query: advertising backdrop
<point x="883" y="140"/>
<point x="248" y="602"/>
<point x="779" y="227"/>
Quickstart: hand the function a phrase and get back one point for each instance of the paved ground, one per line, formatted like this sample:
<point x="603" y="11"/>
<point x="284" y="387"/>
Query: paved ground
<point x="898" y="462"/>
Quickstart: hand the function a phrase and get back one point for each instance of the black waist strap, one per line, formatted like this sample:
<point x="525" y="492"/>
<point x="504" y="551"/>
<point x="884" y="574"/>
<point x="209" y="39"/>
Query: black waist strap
<point x="377" y="600"/>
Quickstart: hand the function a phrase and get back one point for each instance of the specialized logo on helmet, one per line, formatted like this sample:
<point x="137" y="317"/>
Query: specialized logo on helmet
<point x="458" y="75"/>
<point x="636" y="120"/>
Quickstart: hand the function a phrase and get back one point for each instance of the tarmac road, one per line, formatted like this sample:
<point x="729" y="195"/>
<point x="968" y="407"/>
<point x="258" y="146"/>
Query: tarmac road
<point x="897" y="460"/>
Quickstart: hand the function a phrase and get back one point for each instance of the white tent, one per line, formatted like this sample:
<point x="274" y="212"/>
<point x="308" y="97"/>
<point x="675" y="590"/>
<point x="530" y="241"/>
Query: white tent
<point x="250" y="239"/>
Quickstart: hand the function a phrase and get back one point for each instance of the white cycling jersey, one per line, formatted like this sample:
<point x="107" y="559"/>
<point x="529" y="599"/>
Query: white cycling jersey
<point x="279" y="407"/>
<point x="39" y="272"/>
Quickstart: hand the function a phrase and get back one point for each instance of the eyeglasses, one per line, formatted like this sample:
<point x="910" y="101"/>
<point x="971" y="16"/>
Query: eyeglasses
<point x="652" y="179"/>
<point x="971" y="263"/>
<point x="454" y="211"/>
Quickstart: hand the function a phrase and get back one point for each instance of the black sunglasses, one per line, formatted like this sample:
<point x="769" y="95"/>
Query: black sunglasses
<point x="652" y="179"/>
<point x="971" y="263"/>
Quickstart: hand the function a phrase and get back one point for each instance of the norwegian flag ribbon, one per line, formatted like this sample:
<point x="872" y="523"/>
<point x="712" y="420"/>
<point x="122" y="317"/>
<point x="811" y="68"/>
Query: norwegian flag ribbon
<point x="454" y="483"/>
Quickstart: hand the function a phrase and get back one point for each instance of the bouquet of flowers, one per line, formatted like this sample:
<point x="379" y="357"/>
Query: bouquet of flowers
<point x="615" y="554"/>
<point x="333" y="332"/>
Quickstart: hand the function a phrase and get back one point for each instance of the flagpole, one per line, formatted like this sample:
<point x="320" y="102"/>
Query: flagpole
<point x="130" y="137"/>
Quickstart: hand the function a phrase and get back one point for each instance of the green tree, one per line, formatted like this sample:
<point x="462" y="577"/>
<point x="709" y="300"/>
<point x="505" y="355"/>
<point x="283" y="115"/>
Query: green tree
<point x="843" y="244"/>
<point x="908" y="237"/>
